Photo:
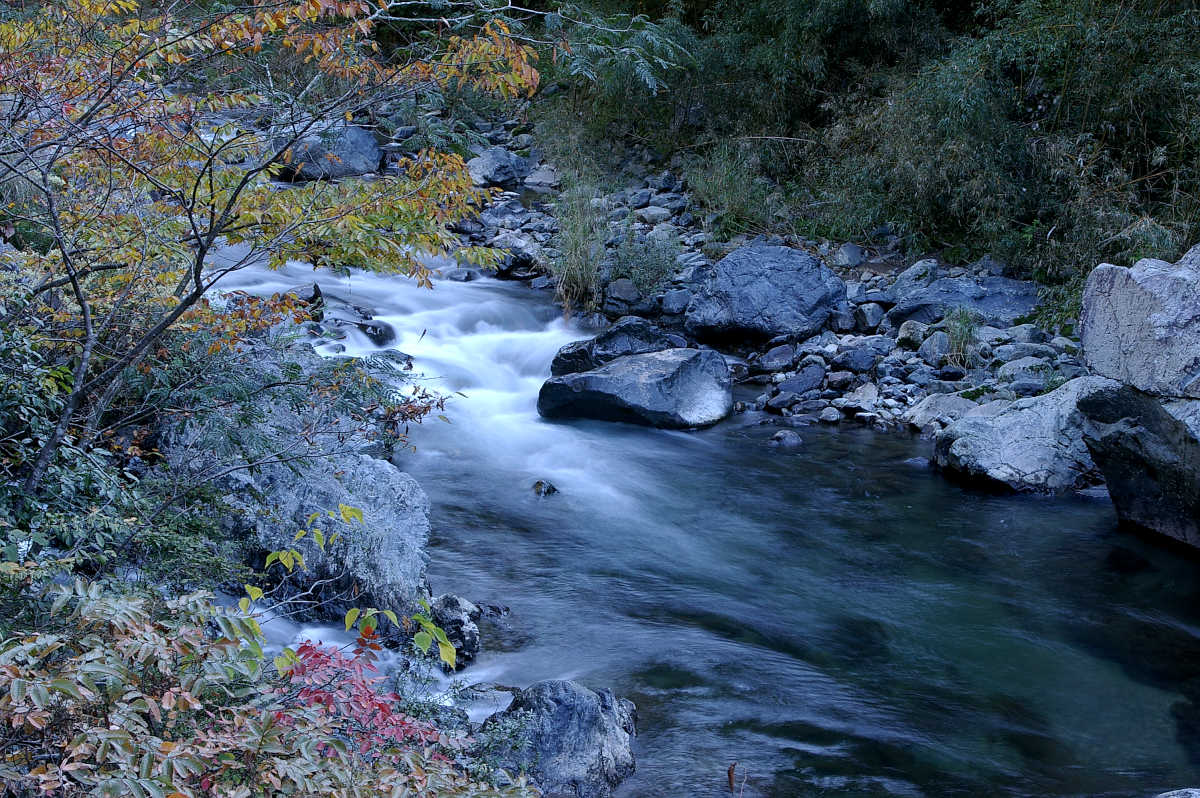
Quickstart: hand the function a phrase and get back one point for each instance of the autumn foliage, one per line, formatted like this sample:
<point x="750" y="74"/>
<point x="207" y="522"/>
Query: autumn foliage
<point x="119" y="697"/>
<point x="141" y="148"/>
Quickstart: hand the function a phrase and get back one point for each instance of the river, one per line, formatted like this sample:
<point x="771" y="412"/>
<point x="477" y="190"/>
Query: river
<point x="839" y="621"/>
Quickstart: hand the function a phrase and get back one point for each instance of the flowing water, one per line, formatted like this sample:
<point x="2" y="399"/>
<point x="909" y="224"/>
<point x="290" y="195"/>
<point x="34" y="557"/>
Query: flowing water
<point x="839" y="621"/>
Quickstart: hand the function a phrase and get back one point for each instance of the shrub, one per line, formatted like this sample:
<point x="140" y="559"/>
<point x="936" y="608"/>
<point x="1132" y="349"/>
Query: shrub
<point x="647" y="261"/>
<point x="580" y="244"/>
<point x="121" y="695"/>
<point x="736" y="197"/>
<point x="962" y="328"/>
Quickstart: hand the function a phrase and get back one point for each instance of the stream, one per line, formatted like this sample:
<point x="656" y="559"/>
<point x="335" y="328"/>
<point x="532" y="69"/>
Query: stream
<point x="839" y="621"/>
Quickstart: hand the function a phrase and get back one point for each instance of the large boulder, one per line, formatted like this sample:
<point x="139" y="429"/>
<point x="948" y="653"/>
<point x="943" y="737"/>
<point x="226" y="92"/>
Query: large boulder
<point x="673" y="389"/>
<point x="1149" y="452"/>
<point x="758" y="292"/>
<point x="331" y="151"/>
<point x="1034" y="444"/>
<point x="631" y="335"/>
<point x="1141" y="326"/>
<point x="497" y="166"/>
<point x="573" y="742"/>
<point x="277" y="463"/>
<point x="993" y="300"/>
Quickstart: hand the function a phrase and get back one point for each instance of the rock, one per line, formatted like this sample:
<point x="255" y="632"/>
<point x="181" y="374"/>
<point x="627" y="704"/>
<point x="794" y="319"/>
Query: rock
<point x="829" y="415"/>
<point x="497" y="166"/>
<point x="623" y="290"/>
<point x="758" y="292"/>
<point x="673" y="389"/>
<point x="544" y="487"/>
<point x="461" y="275"/>
<point x="863" y="399"/>
<point x="459" y="619"/>
<point x="653" y="214"/>
<point x="778" y="358"/>
<point x="543" y="177"/>
<point x="332" y="151"/>
<point x="839" y="380"/>
<point x="849" y="256"/>
<point x="573" y="742"/>
<point x="630" y="335"/>
<point x="1027" y="334"/>
<point x="1187" y="792"/>
<point x="1149" y="452"/>
<point x="1141" y="326"/>
<point x="938" y="408"/>
<point x="861" y="355"/>
<point x="994" y="300"/>
<point x="1024" y="367"/>
<point x="912" y="334"/>
<point x="935" y="348"/>
<point x="676" y="301"/>
<point x="1033" y="444"/>
<point x="867" y="316"/>
<point x="786" y="439"/>
<point x="808" y="377"/>
<point x="1007" y="352"/>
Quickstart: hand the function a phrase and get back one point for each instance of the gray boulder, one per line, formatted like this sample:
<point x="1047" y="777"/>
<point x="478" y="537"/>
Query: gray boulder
<point x="758" y="292"/>
<point x="935" y="348"/>
<point x="994" y="300"/>
<point x="1034" y="444"/>
<point x="332" y="151"/>
<point x="1187" y="792"/>
<point x="630" y="335"/>
<point x="1149" y="452"/>
<point x="1141" y="326"/>
<point x="497" y="166"/>
<point x="573" y="742"/>
<point x="672" y="389"/>
<point x="937" y="409"/>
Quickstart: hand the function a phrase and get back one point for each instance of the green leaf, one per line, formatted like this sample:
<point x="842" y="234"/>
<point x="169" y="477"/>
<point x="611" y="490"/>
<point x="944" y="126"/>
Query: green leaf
<point x="350" y="513"/>
<point x="447" y="653"/>
<point x="255" y="593"/>
<point x="391" y="616"/>
<point x="423" y="640"/>
<point x="244" y="604"/>
<point x="351" y="617"/>
<point x="319" y="537"/>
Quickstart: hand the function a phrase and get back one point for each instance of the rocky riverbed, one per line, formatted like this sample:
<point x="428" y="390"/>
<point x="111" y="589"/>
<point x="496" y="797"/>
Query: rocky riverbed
<point x="794" y="344"/>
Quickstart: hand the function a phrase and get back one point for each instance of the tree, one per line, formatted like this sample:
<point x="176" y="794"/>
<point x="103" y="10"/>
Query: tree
<point x="140" y="149"/>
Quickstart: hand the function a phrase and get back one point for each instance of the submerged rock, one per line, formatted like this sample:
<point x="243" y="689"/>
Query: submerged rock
<point x="1141" y="326"/>
<point x="673" y="389"/>
<point x="573" y="742"/>
<point x="1033" y="444"/>
<point x="759" y="292"/>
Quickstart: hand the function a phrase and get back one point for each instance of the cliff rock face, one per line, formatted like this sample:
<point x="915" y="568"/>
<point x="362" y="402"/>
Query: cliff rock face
<point x="1149" y="451"/>
<point x="1141" y="326"/>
